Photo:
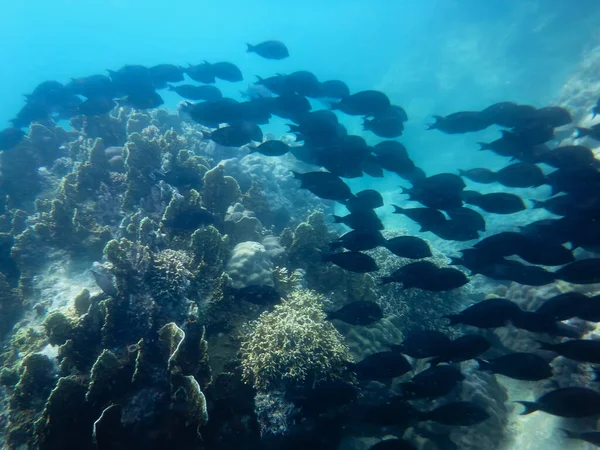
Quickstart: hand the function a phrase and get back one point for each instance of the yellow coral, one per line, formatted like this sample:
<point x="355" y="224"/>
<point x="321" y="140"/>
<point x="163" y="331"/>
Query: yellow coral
<point x="293" y="345"/>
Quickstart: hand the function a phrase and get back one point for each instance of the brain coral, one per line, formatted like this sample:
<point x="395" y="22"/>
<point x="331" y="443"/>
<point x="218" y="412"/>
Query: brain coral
<point x="293" y="345"/>
<point x="250" y="265"/>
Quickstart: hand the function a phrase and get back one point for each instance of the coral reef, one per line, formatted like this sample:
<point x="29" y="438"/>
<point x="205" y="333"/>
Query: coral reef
<point x="250" y="265"/>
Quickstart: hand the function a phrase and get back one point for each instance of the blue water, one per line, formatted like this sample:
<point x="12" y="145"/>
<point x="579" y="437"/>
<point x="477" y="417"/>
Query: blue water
<point x="432" y="57"/>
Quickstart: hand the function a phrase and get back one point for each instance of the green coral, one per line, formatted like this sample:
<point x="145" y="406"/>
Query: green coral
<point x="219" y="191"/>
<point x="293" y="345"/>
<point x="210" y="250"/>
<point x="58" y="328"/>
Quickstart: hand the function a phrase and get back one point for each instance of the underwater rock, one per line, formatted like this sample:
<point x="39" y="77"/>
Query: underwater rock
<point x="219" y="191"/>
<point x="250" y="265"/>
<point x="58" y="328"/>
<point x="241" y="225"/>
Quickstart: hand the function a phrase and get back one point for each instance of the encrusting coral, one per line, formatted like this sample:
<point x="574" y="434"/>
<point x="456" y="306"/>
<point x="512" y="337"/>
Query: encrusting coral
<point x="293" y="345"/>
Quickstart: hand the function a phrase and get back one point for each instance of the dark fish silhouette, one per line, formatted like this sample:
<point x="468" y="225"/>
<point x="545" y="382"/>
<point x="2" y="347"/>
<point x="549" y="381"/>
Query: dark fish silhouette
<point x="334" y="89"/>
<point x="352" y="261"/>
<point x="357" y="313"/>
<point x="272" y="147"/>
<point x="460" y="122"/>
<point x="426" y="217"/>
<point x="225" y="71"/>
<point x="434" y="382"/>
<point x="363" y="200"/>
<point x="190" y="220"/>
<point x="387" y="124"/>
<point x="573" y="402"/>
<point x="593" y="437"/>
<point x="582" y="350"/>
<point x="142" y="99"/>
<point x="162" y="74"/>
<point x="540" y="323"/>
<point x="444" y="279"/>
<point x="509" y="114"/>
<point x="568" y="156"/>
<point x="585" y="271"/>
<point x="491" y="313"/>
<point x="456" y="414"/>
<point x="381" y="366"/>
<point x="462" y="349"/>
<point x="106" y="283"/>
<point x="520" y="366"/>
<point x="365" y="220"/>
<point x="467" y="218"/>
<point x="324" y="185"/>
<point x="393" y="444"/>
<point x="191" y="92"/>
<point x="202" y="73"/>
<point x="323" y="396"/>
<point x="424" y="344"/>
<point x="269" y="50"/>
<point x="497" y="202"/>
<point x="410" y="274"/>
<point x="408" y="247"/>
<point x="521" y="175"/>
<point x="96" y="106"/>
<point x="92" y="86"/>
<point x="235" y="135"/>
<point x="564" y="306"/>
<point x="358" y="240"/>
<point x="363" y="103"/>
<point x="303" y="83"/>
<point x="484" y="176"/>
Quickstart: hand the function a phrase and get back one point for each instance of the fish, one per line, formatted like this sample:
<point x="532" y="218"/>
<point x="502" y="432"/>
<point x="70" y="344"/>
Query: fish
<point x="509" y="114"/>
<point x="162" y="74"/>
<point x="453" y="230"/>
<point x="317" y="128"/>
<point x="584" y="271"/>
<point x="442" y="191"/>
<point x="142" y="99"/>
<point x="456" y="414"/>
<point x="424" y="344"/>
<point x="490" y="313"/>
<point x="387" y="124"/>
<point x="96" y="106"/>
<point x="335" y="89"/>
<point x="409" y="274"/>
<point x="272" y="147"/>
<point x="191" y="92"/>
<point x="568" y="156"/>
<point x="365" y="220"/>
<point x="533" y="133"/>
<point x="467" y="218"/>
<point x="408" y="247"/>
<point x="552" y="116"/>
<point x="323" y="396"/>
<point x="521" y="175"/>
<point x="564" y="306"/>
<point x="381" y="366"/>
<point x="541" y="323"/>
<point x="225" y="71"/>
<point x="460" y="122"/>
<point x="574" y="180"/>
<point x="433" y="382"/>
<point x="92" y="86"/>
<point x="483" y="176"/>
<point x="497" y="202"/>
<point x="367" y="199"/>
<point x="363" y="103"/>
<point x="202" y="73"/>
<point x="269" y="50"/>
<point x="277" y="84"/>
<point x="291" y="105"/>
<point x="443" y="279"/>
<point x="131" y="79"/>
<point x="591" y="311"/>
<point x="324" y="185"/>
<point x="213" y="113"/>
<point x="582" y="350"/>
<point x="352" y="261"/>
<point x="393" y="444"/>
<point x="303" y="83"/>
<point x="258" y="294"/>
<point x="256" y="91"/>
<point x="593" y="437"/>
<point x="234" y="135"/>
<point x="190" y="220"/>
<point x="426" y="217"/>
<point x="519" y="366"/>
<point x="357" y="313"/>
<point x="106" y="282"/>
<point x="561" y="205"/>
<point x="358" y="240"/>
<point x="10" y="138"/>
<point x="575" y="402"/>
<point x="466" y="347"/>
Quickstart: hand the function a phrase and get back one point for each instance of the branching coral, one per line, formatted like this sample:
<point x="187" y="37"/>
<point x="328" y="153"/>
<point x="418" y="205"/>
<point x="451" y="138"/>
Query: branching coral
<point x="293" y="345"/>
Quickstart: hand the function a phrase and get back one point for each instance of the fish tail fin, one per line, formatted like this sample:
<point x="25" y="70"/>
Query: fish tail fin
<point x="537" y="204"/>
<point x="335" y="245"/>
<point x="453" y="318"/>
<point x="297" y="175"/>
<point x="569" y="434"/>
<point x="385" y="280"/>
<point x="334" y="106"/>
<point x="250" y="48"/>
<point x="461" y="172"/>
<point x="434" y="361"/>
<point x="396" y="347"/>
<point x="582" y="132"/>
<point x="338" y="219"/>
<point x="366" y="124"/>
<point x="293" y="128"/>
<point x="483" y="365"/>
<point x="484" y="146"/>
<point x="530" y="407"/>
<point x="397" y="209"/>
<point x="170" y="87"/>
<point x="325" y="257"/>
<point x="330" y="315"/>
